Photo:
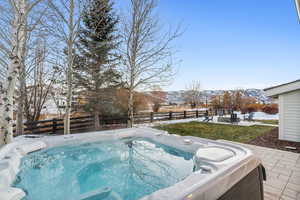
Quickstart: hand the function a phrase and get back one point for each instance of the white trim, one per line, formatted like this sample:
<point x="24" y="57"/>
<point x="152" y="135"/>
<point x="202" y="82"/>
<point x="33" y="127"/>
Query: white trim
<point x="281" y="128"/>
<point x="285" y="88"/>
<point x="297" y="2"/>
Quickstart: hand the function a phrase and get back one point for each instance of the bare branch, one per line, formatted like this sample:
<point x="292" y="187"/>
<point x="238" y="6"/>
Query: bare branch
<point x="146" y="52"/>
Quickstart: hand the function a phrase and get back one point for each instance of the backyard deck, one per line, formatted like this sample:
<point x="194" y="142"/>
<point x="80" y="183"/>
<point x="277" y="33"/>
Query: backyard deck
<point x="282" y="167"/>
<point x="283" y="173"/>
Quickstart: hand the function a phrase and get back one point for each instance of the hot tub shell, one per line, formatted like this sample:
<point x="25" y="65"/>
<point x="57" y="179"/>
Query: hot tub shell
<point x="225" y="170"/>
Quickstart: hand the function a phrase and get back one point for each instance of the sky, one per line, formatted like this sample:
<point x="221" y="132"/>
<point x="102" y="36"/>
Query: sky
<point x="230" y="44"/>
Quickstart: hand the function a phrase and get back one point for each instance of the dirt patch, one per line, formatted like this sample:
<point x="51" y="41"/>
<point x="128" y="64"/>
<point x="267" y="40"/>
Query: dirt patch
<point x="271" y="140"/>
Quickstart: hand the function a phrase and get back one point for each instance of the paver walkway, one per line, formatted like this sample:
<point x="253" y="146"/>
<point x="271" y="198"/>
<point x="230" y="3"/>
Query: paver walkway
<point x="283" y="173"/>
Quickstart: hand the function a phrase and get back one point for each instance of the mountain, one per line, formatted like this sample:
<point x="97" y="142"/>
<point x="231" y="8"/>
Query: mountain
<point x="178" y="96"/>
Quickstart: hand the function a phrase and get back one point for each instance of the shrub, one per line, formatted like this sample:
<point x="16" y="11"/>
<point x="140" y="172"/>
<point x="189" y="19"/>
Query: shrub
<point x="253" y="107"/>
<point x="156" y="106"/>
<point x="270" y="109"/>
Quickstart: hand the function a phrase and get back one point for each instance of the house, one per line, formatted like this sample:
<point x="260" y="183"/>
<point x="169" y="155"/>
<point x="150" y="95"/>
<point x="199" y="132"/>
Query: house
<point x="288" y="97"/>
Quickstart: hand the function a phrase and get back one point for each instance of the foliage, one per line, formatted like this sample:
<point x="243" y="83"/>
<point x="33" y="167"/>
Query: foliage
<point x="156" y="98"/>
<point x="140" y="101"/>
<point x="156" y="106"/>
<point x="269" y="121"/>
<point x="216" y="102"/>
<point x="249" y="105"/>
<point x="249" y="108"/>
<point x="237" y="100"/>
<point x="103" y="104"/>
<point x="95" y="64"/>
<point x="217" y="131"/>
<point x="233" y="100"/>
<point x="270" y="109"/>
<point x="227" y="100"/>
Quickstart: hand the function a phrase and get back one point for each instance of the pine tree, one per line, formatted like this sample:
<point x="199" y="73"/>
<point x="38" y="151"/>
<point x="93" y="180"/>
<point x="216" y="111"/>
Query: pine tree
<point x="96" y="61"/>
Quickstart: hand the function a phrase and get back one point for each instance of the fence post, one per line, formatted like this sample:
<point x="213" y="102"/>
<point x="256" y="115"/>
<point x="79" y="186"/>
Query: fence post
<point x="184" y="114"/>
<point x="197" y="113"/>
<point x="151" y="117"/>
<point x="170" y="115"/>
<point x="54" y="124"/>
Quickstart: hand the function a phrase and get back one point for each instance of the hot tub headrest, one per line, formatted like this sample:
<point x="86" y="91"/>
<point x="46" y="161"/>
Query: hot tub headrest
<point x="214" y="154"/>
<point x="31" y="147"/>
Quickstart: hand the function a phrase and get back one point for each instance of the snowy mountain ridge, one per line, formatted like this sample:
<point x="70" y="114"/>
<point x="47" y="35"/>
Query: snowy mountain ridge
<point x="178" y="96"/>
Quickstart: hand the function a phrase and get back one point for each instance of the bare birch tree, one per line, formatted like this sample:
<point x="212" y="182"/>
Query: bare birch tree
<point x="67" y="16"/>
<point x="5" y="24"/>
<point x="39" y="83"/>
<point x="146" y="50"/>
<point x="15" y="50"/>
<point x="36" y="29"/>
<point x="193" y="94"/>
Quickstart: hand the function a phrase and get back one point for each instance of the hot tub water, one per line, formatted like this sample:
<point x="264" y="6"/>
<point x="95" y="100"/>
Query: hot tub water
<point x="125" y="169"/>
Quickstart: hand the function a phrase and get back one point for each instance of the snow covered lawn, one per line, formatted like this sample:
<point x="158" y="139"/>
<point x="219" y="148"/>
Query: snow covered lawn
<point x="260" y="116"/>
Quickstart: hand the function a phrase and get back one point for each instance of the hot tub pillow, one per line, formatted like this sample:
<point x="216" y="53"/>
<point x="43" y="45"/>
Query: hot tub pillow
<point x="31" y="147"/>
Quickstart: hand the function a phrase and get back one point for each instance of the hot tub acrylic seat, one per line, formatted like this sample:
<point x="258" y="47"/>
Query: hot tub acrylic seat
<point x="105" y="193"/>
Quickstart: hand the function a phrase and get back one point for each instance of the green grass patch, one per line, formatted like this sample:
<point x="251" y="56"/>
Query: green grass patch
<point x="216" y="131"/>
<point x="268" y="121"/>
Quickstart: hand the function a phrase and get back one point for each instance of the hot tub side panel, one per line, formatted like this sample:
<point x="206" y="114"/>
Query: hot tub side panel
<point x="249" y="188"/>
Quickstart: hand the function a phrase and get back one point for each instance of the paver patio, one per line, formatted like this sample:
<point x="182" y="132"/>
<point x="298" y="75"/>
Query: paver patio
<point x="283" y="173"/>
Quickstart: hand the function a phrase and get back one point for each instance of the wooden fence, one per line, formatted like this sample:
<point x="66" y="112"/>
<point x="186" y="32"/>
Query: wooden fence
<point x="86" y="123"/>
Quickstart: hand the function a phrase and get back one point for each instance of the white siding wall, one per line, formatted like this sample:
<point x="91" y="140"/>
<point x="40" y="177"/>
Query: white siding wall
<point x="289" y="116"/>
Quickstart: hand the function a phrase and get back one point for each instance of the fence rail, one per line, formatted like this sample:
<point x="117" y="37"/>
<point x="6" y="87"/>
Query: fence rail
<point x="84" y="123"/>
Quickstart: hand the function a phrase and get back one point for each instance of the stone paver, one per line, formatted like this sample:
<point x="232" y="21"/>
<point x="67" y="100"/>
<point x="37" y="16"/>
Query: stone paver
<point x="283" y="173"/>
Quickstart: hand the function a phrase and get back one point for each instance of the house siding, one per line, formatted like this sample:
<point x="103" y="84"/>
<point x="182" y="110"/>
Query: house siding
<point x="289" y="116"/>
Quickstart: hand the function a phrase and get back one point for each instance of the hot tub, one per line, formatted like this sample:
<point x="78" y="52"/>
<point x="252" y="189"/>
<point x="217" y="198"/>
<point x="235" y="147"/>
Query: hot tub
<point x="128" y="164"/>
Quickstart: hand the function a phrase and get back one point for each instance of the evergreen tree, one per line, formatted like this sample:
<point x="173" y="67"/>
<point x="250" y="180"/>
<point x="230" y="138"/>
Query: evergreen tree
<point x="95" y="71"/>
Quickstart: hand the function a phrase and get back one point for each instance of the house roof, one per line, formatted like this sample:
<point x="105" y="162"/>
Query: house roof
<point x="283" y="88"/>
<point x="297" y="2"/>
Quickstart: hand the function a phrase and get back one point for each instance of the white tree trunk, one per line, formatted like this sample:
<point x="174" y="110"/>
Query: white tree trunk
<point x="67" y="122"/>
<point x="70" y="42"/>
<point x="20" y="108"/>
<point x="20" y="117"/>
<point x="18" y="40"/>
<point x="130" y="122"/>
<point x="97" y="120"/>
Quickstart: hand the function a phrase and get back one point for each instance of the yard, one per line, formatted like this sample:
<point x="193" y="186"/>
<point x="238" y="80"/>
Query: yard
<point x="268" y="121"/>
<point x="235" y="133"/>
<point x="266" y="136"/>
